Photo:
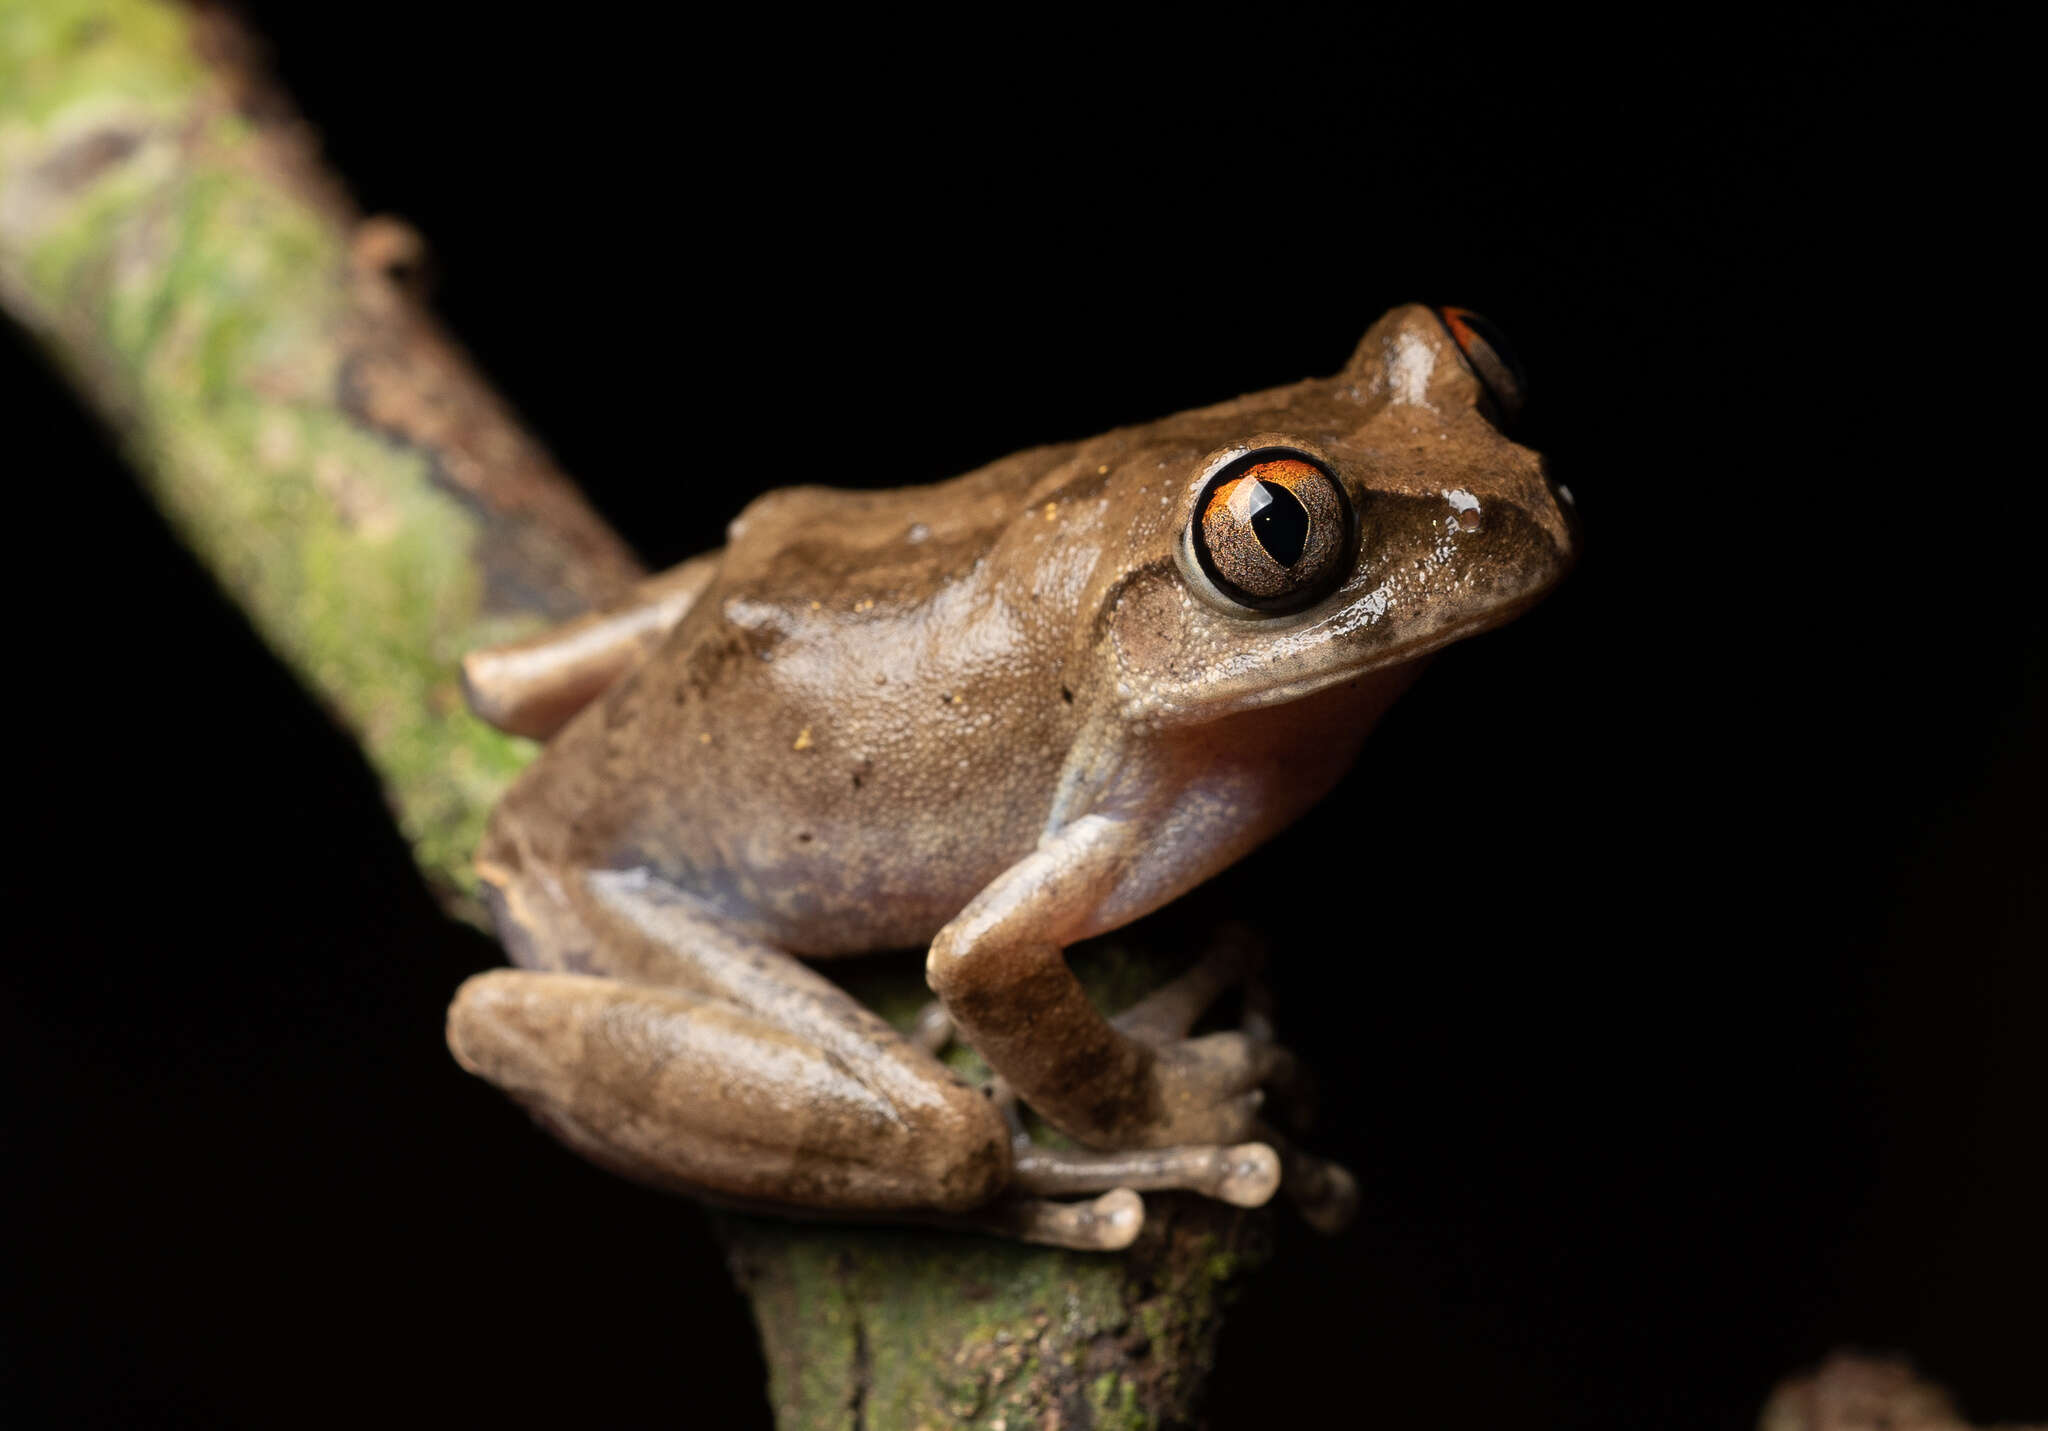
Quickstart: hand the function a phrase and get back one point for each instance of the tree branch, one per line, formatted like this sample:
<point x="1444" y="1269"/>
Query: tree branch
<point x="166" y="231"/>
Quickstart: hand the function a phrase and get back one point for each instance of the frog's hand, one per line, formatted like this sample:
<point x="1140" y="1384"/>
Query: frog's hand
<point x="1000" y="969"/>
<point x="533" y="687"/>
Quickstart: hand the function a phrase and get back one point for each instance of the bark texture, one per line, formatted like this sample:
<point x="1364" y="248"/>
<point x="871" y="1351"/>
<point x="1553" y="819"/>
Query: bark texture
<point x="903" y="1328"/>
<point x="168" y="234"/>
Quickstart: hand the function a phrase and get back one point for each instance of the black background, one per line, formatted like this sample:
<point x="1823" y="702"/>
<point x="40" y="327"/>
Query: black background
<point x="1672" y="961"/>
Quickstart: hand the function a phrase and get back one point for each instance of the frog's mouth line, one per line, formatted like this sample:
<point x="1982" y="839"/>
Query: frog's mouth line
<point x="1411" y="653"/>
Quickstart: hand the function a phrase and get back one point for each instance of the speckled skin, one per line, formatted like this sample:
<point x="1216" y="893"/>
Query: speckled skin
<point x="991" y="717"/>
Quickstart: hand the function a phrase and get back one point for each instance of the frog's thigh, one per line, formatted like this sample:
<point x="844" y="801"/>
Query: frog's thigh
<point x="687" y="1090"/>
<point x="533" y="687"/>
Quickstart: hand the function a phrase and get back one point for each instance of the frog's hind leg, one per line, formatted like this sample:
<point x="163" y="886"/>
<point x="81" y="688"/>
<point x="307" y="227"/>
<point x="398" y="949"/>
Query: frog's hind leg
<point x="1108" y="1223"/>
<point x="689" y="1091"/>
<point x="533" y="687"/>
<point x="683" y="1054"/>
<point x="701" y="1095"/>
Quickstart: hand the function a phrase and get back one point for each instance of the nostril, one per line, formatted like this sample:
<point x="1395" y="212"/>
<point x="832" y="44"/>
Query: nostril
<point x="1465" y="514"/>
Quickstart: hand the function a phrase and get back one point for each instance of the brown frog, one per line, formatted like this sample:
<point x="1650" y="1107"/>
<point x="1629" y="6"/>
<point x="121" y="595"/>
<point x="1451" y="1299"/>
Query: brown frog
<point x="989" y="717"/>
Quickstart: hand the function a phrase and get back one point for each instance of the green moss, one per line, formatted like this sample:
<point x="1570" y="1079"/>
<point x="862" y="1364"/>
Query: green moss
<point x="1152" y="1320"/>
<point x="1117" y="973"/>
<point x="1115" y="1400"/>
<point x="954" y="1330"/>
<point x="221" y="296"/>
<point x="53" y="52"/>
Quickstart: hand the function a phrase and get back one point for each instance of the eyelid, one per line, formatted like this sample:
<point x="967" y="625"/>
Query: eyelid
<point x="1280" y="558"/>
<point x="1490" y="357"/>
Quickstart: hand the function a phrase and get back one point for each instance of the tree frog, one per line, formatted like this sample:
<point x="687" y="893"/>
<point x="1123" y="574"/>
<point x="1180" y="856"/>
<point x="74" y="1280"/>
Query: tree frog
<point x="987" y="718"/>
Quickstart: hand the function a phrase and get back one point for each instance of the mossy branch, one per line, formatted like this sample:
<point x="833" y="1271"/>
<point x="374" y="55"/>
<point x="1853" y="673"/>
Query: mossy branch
<point x="168" y="234"/>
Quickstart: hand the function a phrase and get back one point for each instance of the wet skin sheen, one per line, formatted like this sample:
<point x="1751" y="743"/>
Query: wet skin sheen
<point x="988" y="717"/>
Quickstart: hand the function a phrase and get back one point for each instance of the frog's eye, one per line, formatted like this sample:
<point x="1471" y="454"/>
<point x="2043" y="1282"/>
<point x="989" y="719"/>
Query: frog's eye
<point x="1271" y="530"/>
<point x="1490" y="357"/>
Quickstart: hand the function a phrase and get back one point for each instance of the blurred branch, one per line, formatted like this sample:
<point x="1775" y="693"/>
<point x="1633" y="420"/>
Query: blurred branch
<point x="1851" y="1392"/>
<point x="166" y="231"/>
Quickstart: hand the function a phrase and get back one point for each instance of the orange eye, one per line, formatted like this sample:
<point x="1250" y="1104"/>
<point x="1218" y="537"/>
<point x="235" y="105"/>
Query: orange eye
<point x="1272" y="530"/>
<point x="1490" y="357"/>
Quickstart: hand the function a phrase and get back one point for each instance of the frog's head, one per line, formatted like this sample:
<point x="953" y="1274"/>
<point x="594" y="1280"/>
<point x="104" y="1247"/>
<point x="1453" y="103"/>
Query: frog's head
<point x="1357" y="525"/>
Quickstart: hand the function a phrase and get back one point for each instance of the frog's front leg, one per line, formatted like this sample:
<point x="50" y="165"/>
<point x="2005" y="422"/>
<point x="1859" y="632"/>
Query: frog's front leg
<point x="1325" y="1193"/>
<point x="1000" y="970"/>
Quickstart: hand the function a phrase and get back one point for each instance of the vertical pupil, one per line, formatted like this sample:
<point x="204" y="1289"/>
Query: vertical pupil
<point x="1278" y="520"/>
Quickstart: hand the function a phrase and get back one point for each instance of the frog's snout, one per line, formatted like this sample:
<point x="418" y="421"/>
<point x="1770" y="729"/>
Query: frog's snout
<point x="1539" y="525"/>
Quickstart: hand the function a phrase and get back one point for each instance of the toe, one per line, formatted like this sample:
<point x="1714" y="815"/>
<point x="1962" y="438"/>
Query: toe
<point x="1251" y="1175"/>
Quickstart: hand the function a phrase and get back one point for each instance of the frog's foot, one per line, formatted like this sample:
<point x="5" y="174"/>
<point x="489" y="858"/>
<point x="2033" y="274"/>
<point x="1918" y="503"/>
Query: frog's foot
<point x="1210" y="1076"/>
<point x="1108" y="1223"/>
<point x="932" y="1029"/>
<point x="1163" y="1018"/>
<point x="1246" y="1175"/>
<point x="1213" y="1087"/>
<point x="533" y="687"/>
<point x="1167" y="1013"/>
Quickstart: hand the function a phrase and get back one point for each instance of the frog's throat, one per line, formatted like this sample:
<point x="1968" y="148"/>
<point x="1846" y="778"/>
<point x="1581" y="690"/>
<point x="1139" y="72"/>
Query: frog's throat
<point x="1402" y="660"/>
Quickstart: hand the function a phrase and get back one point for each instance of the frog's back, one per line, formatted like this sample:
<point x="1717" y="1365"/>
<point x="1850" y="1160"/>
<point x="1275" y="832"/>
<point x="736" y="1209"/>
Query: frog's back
<point x="862" y="720"/>
<point x="855" y="728"/>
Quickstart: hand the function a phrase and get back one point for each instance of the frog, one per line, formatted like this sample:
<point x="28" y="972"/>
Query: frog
<point x="988" y="718"/>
